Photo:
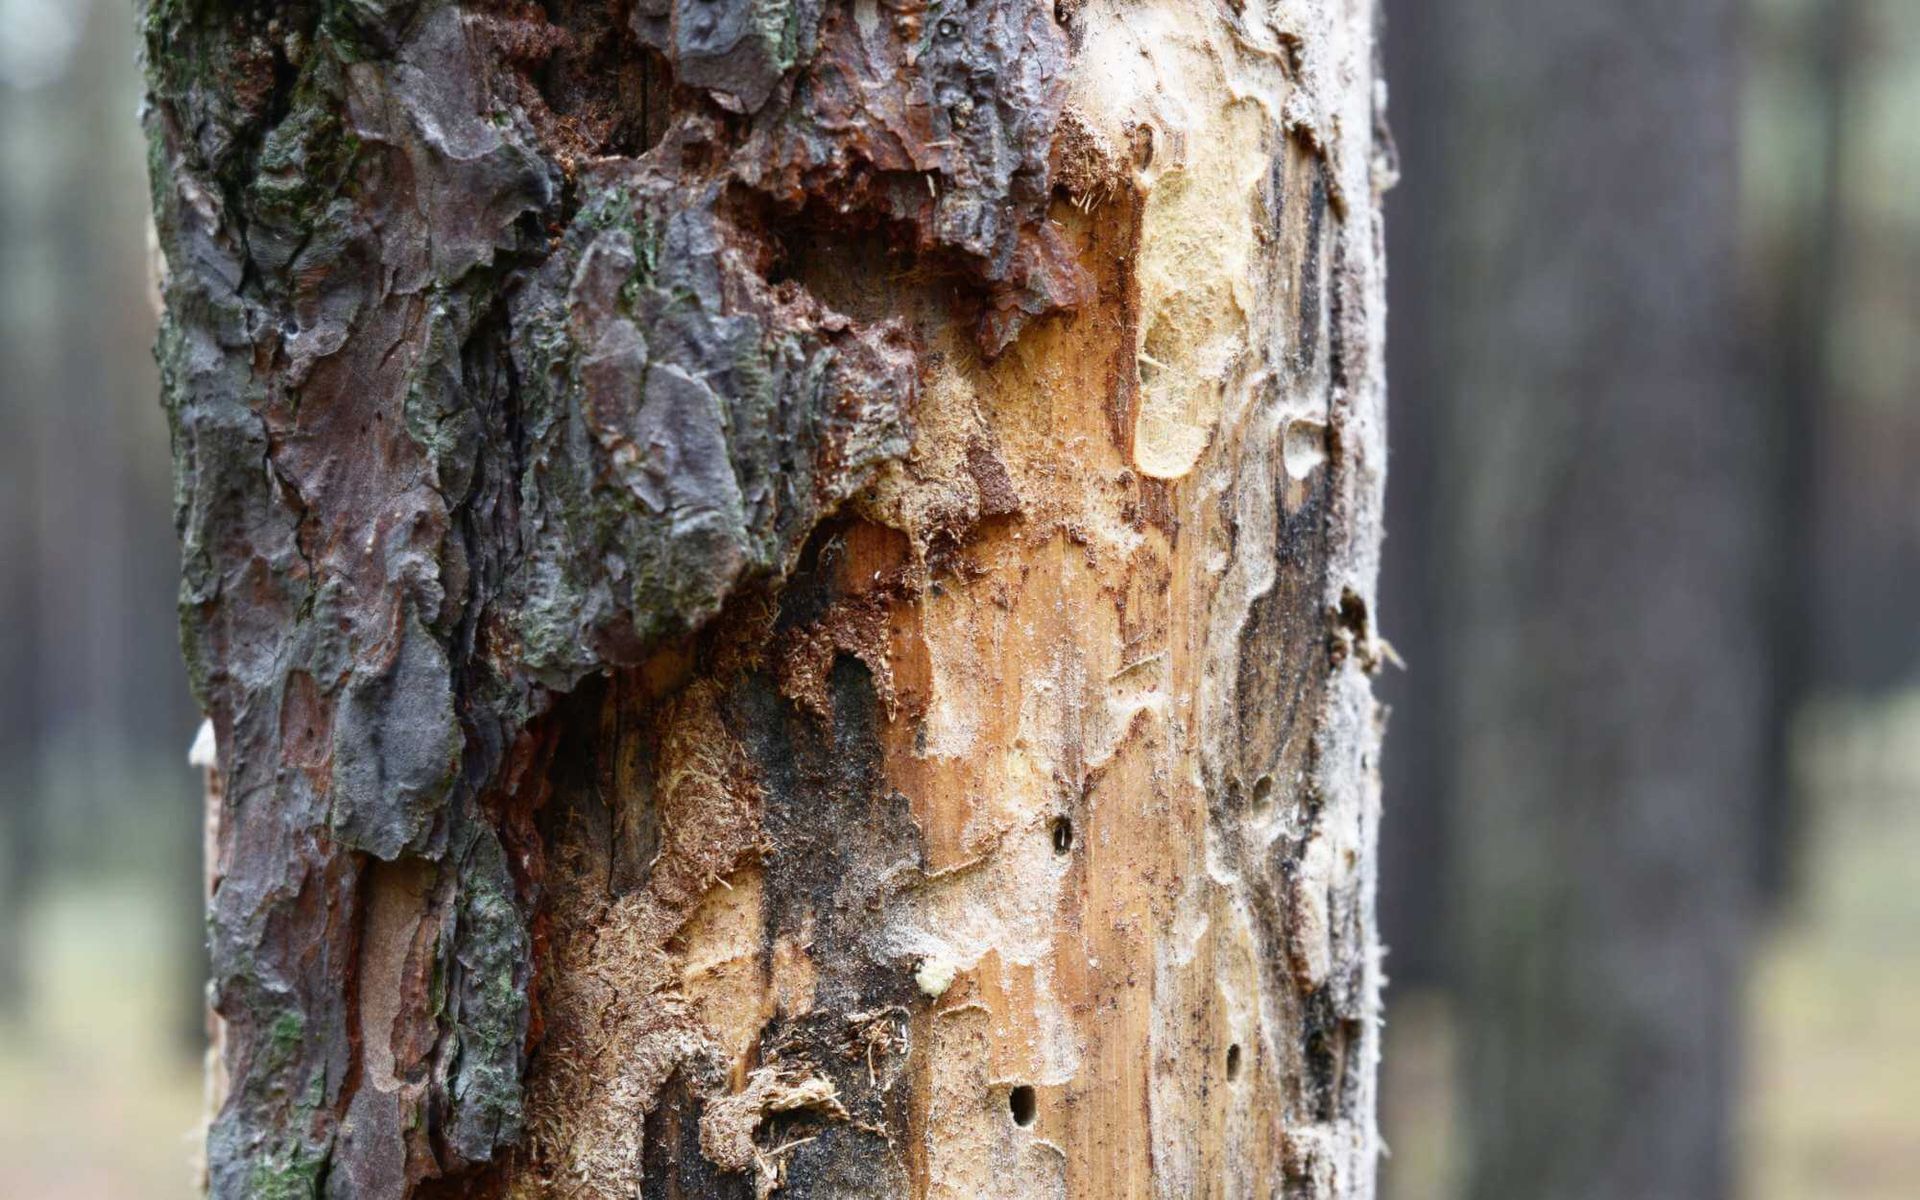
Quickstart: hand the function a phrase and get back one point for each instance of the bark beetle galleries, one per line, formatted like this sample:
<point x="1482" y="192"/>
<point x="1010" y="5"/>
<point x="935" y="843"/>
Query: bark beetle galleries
<point x="603" y="433"/>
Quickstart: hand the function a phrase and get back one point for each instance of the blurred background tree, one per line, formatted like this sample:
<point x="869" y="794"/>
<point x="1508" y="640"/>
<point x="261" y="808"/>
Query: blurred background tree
<point x="1602" y="495"/>
<point x="99" y="848"/>
<point x="1653" y="562"/>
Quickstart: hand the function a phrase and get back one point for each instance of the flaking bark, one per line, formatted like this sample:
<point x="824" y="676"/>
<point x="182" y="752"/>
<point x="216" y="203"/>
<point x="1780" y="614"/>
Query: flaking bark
<point x="623" y="447"/>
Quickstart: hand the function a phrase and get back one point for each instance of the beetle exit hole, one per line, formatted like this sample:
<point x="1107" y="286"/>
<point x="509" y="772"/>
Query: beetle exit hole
<point x="1023" y="1105"/>
<point x="1062" y="835"/>
<point x="1233" y="1061"/>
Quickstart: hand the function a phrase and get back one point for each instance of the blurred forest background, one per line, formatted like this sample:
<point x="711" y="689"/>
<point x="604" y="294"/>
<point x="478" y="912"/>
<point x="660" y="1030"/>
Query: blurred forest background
<point x="1653" y="794"/>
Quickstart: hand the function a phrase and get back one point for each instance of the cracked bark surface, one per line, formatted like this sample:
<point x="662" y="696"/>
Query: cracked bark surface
<point x="781" y="589"/>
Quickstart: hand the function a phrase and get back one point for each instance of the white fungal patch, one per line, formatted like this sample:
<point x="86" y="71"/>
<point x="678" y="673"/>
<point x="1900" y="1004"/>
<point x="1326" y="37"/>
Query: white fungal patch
<point x="1306" y="448"/>
<point x="935" y="975"/>
<point x="1312" y="919"/>
<point x="205" y="751"/>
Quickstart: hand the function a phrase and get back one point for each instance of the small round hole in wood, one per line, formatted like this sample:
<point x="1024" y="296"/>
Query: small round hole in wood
<point x="1062" y="835"/>
<point x="1023" y="1104"/>
<point x="1233" y="1061"/>
<point x="1263" y="793"/>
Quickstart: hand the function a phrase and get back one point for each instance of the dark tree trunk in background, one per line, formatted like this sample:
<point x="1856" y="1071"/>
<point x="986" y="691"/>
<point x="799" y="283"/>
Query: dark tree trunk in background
<point x="1854" y="262"/>
<point x="20" y="709"/>
<point x="1413" y="856"/>
<point x="1800" y="301"/>
<point x="19" y="825"/>
<point x="93" y="717"/>
<point x="783" y="590"/>
<point x="29" y="341"/>
<point x="1603" y="473"/>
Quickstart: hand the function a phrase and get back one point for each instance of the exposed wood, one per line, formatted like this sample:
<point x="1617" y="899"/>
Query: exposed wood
<point x="784" y="592"/>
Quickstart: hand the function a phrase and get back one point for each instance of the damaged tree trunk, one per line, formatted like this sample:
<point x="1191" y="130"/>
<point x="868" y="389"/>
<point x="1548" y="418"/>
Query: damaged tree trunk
<point x="782" y="590"/>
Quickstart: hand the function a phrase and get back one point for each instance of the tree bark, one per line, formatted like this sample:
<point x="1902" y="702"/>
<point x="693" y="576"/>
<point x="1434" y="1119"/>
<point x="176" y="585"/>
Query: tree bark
<point x="1606" y="484"/>
<point x="783" y="591"/>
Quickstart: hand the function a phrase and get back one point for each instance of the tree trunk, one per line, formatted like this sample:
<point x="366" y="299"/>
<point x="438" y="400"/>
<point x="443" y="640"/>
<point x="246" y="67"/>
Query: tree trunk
<point x="1605" y="484"/>
<point x="1802" y="302"/>
<point x="1413" y="853"/>
<point x="783" y="591"/>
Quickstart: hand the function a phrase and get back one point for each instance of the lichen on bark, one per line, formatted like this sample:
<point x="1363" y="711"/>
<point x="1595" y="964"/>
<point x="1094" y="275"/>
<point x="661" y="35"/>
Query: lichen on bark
<point x="482" y="381"/>
<point x="782" y="587"/>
